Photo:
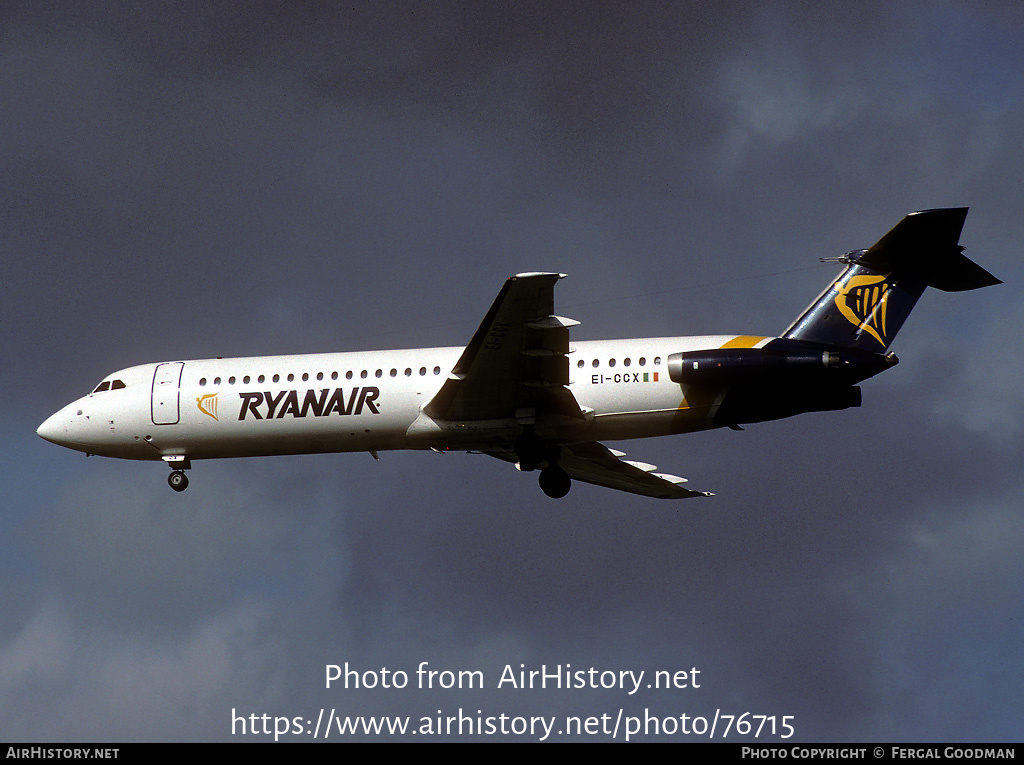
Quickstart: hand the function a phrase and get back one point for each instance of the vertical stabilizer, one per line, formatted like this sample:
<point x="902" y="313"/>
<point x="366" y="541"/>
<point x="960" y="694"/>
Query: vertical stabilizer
<point x="868" y="303"/>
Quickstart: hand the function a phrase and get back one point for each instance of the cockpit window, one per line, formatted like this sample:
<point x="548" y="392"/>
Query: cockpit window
<point x="109" y="385"/>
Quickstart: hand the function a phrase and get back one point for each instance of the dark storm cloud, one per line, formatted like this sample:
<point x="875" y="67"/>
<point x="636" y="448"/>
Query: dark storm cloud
<point x="197" y="179"/>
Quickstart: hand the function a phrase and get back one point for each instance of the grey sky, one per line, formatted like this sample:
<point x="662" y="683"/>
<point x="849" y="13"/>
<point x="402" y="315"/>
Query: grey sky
<point x="193" y="180"/>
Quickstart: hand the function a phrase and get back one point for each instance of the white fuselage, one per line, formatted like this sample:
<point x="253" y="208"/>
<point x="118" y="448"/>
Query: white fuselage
<point x="365" y="401"/>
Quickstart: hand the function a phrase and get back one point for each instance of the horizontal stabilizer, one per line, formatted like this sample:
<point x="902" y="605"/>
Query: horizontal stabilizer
<point x="925" y="245"/>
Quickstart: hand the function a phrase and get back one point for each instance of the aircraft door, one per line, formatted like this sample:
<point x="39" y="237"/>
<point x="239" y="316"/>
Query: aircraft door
<point x="166" y="381"/>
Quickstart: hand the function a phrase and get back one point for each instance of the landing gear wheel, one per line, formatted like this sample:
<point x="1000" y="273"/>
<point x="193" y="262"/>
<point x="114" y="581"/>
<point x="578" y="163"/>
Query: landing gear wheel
<point x="177" y="480"/>
<point x="555" y="482"/>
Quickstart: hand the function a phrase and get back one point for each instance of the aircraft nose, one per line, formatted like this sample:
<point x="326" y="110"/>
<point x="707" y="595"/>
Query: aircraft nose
<point x="54" y="429"/>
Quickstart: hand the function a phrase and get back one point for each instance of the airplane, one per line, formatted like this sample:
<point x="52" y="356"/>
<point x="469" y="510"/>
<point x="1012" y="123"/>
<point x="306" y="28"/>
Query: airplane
<point x="521" y="390"/>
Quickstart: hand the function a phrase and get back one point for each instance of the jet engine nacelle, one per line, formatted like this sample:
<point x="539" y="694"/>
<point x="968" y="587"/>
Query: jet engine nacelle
<point x="780" y="361"/>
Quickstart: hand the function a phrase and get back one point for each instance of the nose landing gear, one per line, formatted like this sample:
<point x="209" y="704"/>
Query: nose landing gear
<point x="177" y="480"/>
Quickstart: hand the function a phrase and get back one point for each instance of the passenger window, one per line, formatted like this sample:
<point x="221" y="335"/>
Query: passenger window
<point x="394" y="373"/>
<point x="437" y="370"/>
<point x="277" y="378"/>
<point x="202" y="382"/>
<point x="423" y="371"/>
<point x="348" y="375"/>
<point x="625" y="362"/>
<point x="408" y="372"/>
<point x="580" y="363"/>
<point x="657" y="360"/>
<point x="642" y="361"/>
<point x="246" y="379"/>
<point x="261" y="379"/>
<point x="611" y="362"/>
<point x="594" y="363"/>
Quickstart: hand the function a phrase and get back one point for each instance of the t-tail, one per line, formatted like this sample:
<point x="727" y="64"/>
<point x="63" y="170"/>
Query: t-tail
<point x="866" y="306"/>
<point x="844" y="336"/>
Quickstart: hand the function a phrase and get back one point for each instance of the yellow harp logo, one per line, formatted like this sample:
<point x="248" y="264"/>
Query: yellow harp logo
<point x="863" y="302"/>
<point x="208" y="404"/>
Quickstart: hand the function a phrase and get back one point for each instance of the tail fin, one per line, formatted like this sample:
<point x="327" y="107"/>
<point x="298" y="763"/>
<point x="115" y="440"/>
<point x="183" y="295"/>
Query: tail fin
<point x="866" y="306"/>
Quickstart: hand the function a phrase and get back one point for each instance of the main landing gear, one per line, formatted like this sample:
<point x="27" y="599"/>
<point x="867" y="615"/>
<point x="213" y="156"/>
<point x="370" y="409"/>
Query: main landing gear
<point x="532" y="451"/>
<point x="554" y="481"/>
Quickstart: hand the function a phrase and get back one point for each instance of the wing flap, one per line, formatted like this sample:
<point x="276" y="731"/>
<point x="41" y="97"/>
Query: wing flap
<point x="597" y="464"/>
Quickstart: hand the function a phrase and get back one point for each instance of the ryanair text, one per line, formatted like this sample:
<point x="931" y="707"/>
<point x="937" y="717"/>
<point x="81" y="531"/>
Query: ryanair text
<point x="322" y="403"/>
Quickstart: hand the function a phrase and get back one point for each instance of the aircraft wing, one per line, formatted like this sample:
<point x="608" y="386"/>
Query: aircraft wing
<point x="517" y="366"/>
<point x="595" y="463"/>
<point x="592" y="462"/>
<point x="517" y="363"/>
